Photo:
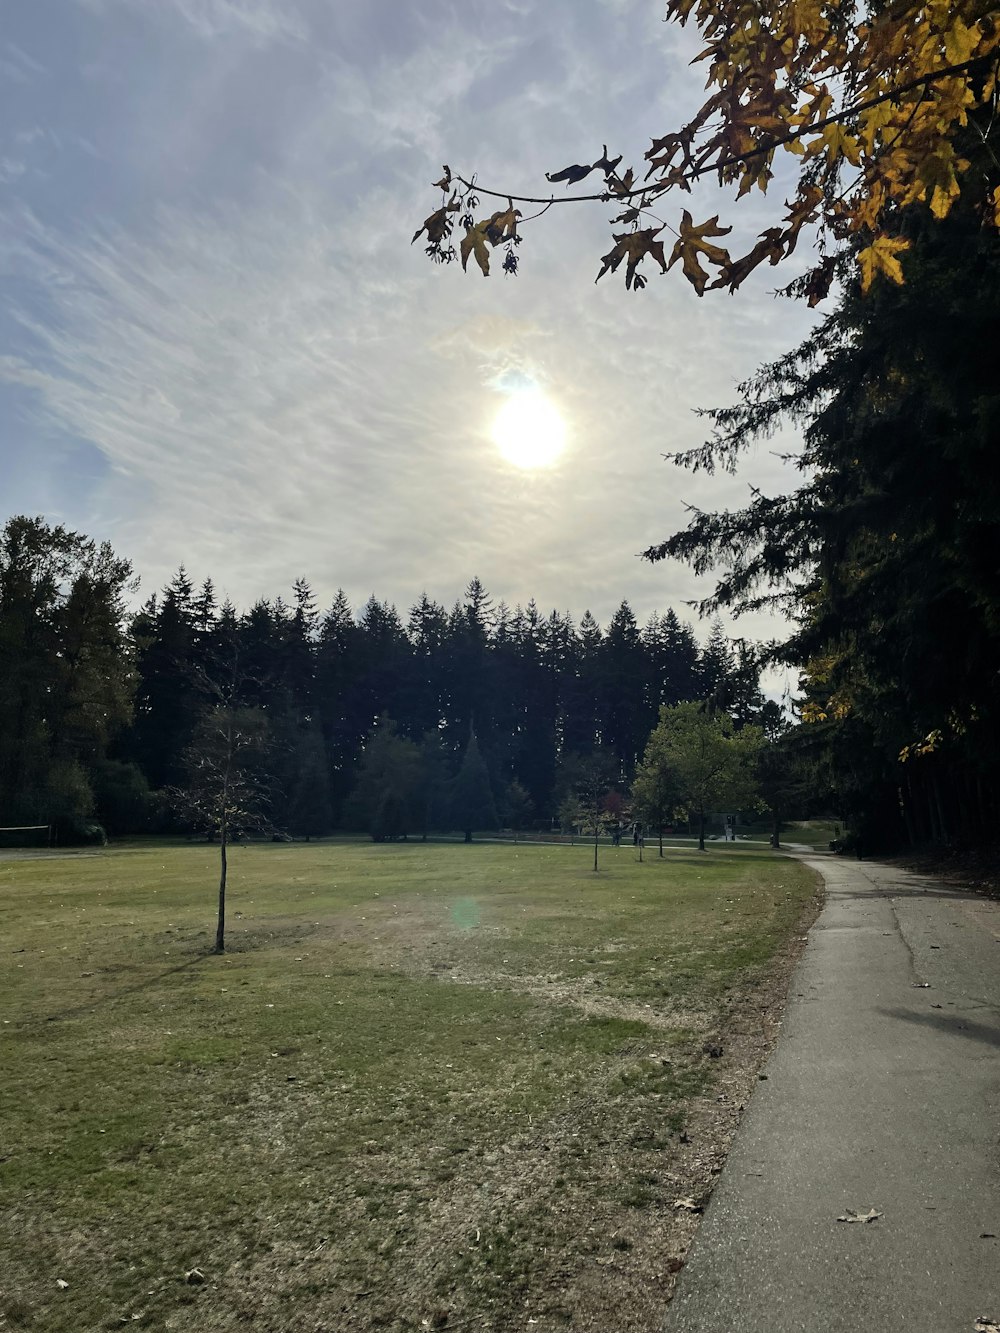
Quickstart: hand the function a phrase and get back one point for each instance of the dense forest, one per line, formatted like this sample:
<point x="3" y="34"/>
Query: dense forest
<point x="103" y="709"/>
<point x="887" y="557"/>
<point x="885" y="561"/>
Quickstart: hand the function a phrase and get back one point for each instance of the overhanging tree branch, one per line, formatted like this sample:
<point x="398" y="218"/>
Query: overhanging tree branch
<point x="774" y="76"/>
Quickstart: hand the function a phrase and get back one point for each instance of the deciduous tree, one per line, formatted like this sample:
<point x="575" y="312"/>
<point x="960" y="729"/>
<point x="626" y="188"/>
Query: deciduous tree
<point x="710" y="762"/>
<point x="870" y="103"/>
<point x="226" y="788"/>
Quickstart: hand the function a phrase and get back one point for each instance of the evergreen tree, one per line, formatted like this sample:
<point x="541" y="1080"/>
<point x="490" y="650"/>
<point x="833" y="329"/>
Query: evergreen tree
<point x="622" y="685"/>
<point x="432" y="801"/>
<point x="389" y="765"/>
<point x="340" y="705"/>
<point x="424" y="703"/>
<point x="716" y="663"/>
<point x="167" y="702"/>
<point x="472" y="805"/>
<point x="582" y="727"/>
<point x="203" y="608"/>
<point x="383" y="660"/>
<point x="518" y="808"/>
<point x="886" y="554"/>
<point x="66" y="682"/>
<point x="309" y="814"/>
<point x="678" y="667"/>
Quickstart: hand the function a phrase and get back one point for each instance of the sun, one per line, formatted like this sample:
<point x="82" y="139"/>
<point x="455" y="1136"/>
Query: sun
<point x="529" y="430"/>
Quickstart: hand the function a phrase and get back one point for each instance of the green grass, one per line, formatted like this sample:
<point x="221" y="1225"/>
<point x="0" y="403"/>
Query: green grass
<point x="816" y="833"/>
<point x="422" y="1084"/>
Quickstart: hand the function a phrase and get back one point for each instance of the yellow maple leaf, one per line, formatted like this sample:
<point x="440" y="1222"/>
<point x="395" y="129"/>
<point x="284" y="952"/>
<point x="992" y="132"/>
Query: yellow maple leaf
<point x="942" y="199"/>
<point x="995" y="198"/>
<point x="839" y="143"/>
<point x="959" y="41"/>
<point x="880" y="257"/>
<point x="873" y="121"/>
<point x="474" y="243"/>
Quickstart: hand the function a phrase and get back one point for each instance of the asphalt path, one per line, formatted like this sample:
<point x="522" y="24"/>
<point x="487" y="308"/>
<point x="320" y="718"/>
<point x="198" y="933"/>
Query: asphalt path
<point x="883" y="1093"/>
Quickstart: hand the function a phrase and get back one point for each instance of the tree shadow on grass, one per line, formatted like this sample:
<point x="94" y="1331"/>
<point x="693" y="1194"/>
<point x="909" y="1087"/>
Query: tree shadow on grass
<point x="101" y="1001"/>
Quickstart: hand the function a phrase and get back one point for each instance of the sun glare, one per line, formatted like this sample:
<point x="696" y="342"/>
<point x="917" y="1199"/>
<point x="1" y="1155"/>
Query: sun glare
<point x="528" y="430"/>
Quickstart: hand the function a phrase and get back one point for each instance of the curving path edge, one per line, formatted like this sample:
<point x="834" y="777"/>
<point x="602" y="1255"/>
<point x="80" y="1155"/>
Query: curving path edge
<point x="883" y="1093"/>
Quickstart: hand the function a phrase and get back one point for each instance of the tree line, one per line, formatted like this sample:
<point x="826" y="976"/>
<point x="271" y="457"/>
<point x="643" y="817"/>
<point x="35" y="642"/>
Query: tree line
<point x="470" y="717"/>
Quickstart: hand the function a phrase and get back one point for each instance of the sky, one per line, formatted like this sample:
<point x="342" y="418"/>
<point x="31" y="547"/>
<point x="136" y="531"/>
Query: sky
<point x="218" y="347"/>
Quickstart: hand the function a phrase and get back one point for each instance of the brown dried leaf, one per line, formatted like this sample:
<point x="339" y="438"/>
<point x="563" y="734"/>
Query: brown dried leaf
<point x="633" y="245"/>
<point x="623" y="186"/>
<point x="439" y="224"/>
<point x="737" y="270"/>
<point x="503" y="224"/>
<point x="570" y="175"/>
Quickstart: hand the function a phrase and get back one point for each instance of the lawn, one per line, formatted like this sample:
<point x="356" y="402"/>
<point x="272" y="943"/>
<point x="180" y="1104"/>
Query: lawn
<point x="432" y="1085"/>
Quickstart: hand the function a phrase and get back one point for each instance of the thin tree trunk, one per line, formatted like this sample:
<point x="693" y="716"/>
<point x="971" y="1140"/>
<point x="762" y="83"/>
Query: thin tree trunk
<point x="468" y="835"/>
<point x="982" y="805"/>
<point x="220" y="930"/>
<point x="939" y="807"/>
<point x="701" y="830"/>
<point x="905" y="801"/>
<point x="661" y="839"/>
<point x="931" y="826"/>
<point x="776" y="835"/>
<point x="597" y="834"/>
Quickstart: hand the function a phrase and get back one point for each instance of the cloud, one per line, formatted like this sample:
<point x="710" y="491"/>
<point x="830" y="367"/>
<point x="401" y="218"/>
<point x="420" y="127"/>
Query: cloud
<point x="282" y="387"/>
<point x="262" y="20"/>
<point x="17" y="65"/>
<point x="10" y="169"/>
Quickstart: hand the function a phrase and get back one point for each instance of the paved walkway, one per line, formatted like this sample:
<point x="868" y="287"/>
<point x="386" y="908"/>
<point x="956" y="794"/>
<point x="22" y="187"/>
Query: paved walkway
<point x="884" y="1093"/>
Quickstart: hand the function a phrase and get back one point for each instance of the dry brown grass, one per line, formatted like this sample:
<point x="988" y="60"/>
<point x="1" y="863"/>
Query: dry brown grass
<point x="428" y="1087"/>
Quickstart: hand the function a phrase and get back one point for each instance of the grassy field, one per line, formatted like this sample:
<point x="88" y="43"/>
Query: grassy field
<point x="435" y="1086"/>
<point x="816" y="833"/>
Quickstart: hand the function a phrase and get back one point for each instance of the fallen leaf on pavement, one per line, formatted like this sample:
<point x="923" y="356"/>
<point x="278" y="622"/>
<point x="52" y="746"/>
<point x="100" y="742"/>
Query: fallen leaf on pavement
<point x="688" y="1205"/>
<point x="870" y="1216"/>
<point x="984" y="1325"/>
